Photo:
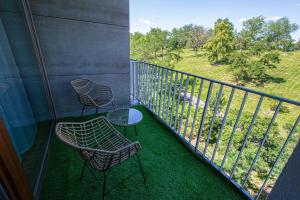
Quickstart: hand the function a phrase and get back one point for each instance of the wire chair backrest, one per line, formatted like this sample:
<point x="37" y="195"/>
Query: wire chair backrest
<point x="83" y="88"/>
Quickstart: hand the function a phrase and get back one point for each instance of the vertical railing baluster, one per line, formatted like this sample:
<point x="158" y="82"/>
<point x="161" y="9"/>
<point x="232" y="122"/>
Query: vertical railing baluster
<point x="189" y="106"/>
<point x="183" y="103"/>
<point x="157" y="90"/>
<point x="169" y="96"/>
<point x="142" y="82"/>
<point x="204" y="114"/>
<point x="196" y="110"/>
<point x="223" y="123"/>
<point x="247" y="135"/>
<point x="213" y="118"/>
<point x="133" y="79"/>
<point x="147" y="84"/>
<point x="234" y="129"/>
<point x="138" y="81"/>
<point x="279" y="155"/>
<point x="153" y="86"/>
<point x="262" y="143"/>
<point x="161" y="92"/>
<point x="173" y="99"/>
<point x="165" y="94"/>
<point x="178" y="101"/>
<point x="150" y="86"/>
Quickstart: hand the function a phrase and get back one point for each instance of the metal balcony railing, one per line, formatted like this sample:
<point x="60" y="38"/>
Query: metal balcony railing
<point x="197" y="110"/>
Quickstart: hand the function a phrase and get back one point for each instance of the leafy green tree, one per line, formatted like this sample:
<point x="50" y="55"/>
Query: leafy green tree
<point x="248" y="68"/>
<point x="198" y="36"/>
<point x="278" y="34"/>
<point x="157" y="41"/>
<point x="220" y="44"/>
<point x="251" y="37"/>
<point x="297" y="45"/>
<point x="138" y="48"/>
<point x="157" y="46"/>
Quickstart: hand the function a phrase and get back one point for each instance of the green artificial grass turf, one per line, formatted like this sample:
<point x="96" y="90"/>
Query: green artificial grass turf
<point x="172" y="171"/>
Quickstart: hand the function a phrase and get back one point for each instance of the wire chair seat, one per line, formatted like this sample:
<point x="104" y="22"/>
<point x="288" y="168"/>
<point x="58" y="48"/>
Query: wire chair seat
<point x="97" y="142"/>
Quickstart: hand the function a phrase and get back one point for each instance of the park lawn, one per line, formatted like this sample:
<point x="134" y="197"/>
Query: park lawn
<point x="285" y="78"/>
<point x="284" y="82"/>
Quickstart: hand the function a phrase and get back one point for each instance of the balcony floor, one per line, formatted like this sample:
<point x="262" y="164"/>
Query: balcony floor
<point x="172" y="171"/>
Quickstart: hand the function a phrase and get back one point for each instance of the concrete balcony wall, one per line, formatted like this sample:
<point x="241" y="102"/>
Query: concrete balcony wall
<point x="288" y="184"/>
<point x="84" y="38"/>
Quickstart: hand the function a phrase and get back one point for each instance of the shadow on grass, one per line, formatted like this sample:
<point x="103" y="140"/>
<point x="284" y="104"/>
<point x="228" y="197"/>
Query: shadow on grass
<point x="270" y="79"/>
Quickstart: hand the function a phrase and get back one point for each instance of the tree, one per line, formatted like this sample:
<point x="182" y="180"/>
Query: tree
<point x="251" y="37"/>
<point x="157" y="46"/>
<point x="138" y="48"/>
<point x="220" y="44"/>
<point x="297" y="45"/>
<point x="278" y="34"/>
<point x="249" y="68"/>
<point x="157" y="42"/>
<point x="198" y="36"/>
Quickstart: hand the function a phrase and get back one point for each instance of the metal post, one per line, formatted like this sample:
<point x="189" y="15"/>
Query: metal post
<point x="203" y="115"/>
<point x="234" y="129"/>
<point x="262" y="143"/>
<point x="196" y="110"/>
<point x="183" y="103"/>
<point x="173" y="99"/>
<point x="178" y="100"/>
<point x="223" y="123"/>
<point x="213" y="118"/>
<point x="247" y="135"/>
<point x="190" y="105"/>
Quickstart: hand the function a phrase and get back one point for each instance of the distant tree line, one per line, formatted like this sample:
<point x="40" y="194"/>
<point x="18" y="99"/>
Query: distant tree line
<point x="249" y="52"/>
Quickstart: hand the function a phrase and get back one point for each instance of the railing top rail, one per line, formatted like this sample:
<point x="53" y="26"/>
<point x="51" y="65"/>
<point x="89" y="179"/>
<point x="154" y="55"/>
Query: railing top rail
<point x="282" y="99"/>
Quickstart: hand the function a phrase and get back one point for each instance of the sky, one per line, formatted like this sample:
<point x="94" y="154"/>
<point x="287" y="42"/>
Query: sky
<point x="169" y="14"/>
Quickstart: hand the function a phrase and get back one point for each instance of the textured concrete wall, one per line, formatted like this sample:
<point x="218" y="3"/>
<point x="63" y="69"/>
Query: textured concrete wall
<point x="84" y="38"/>
<point x="287" y="186"/>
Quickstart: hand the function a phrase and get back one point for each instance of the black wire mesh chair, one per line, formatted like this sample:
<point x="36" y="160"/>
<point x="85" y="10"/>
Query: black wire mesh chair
<point x="91" y="94"/>
<point x="99" y="144"/>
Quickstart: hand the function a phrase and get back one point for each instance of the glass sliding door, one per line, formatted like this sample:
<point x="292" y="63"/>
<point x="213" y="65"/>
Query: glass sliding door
<point x="24" y="106"/>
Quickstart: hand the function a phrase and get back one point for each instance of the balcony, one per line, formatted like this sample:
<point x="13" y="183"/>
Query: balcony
<point x="192" y="146"/>
<point x="172" y="171"/>
<point x="200" y="138"/>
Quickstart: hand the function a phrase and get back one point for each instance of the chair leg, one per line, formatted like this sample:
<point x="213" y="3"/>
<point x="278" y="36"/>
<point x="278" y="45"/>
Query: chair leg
<point x="82" y="171"/>
<point x="96" y="110"/>
<point x="141" y="168"/>
<point x="104" y="184"/>
<point x="125" y="131"/>
<point x="83" y="107"/>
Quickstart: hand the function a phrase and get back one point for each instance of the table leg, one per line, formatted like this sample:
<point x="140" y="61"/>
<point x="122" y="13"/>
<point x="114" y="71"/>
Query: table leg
<point x="135" y="130"/>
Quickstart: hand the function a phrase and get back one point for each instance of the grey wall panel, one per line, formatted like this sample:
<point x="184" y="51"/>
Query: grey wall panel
<point x="84" y="38"/>
<point x="75" y="47"/>
<point x="101" y="11"/>
<point x="66" y="100"/>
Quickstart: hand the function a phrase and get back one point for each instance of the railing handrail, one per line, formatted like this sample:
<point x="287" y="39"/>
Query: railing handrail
<point x="283" y="99"/>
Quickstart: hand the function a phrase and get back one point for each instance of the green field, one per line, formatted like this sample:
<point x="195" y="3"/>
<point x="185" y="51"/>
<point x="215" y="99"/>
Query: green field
<point x="284" y="81"/>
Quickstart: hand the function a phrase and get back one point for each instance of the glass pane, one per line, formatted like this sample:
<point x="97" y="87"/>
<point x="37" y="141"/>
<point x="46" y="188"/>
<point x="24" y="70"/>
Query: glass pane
<point x="23" y="104"/>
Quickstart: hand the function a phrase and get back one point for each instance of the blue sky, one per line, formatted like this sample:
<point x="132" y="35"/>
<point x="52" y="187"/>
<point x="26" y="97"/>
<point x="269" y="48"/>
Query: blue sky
<point x="168" y="14"/>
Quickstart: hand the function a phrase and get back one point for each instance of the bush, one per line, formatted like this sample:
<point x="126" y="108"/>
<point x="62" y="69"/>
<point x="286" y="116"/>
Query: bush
<point x="269" y="59"/>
